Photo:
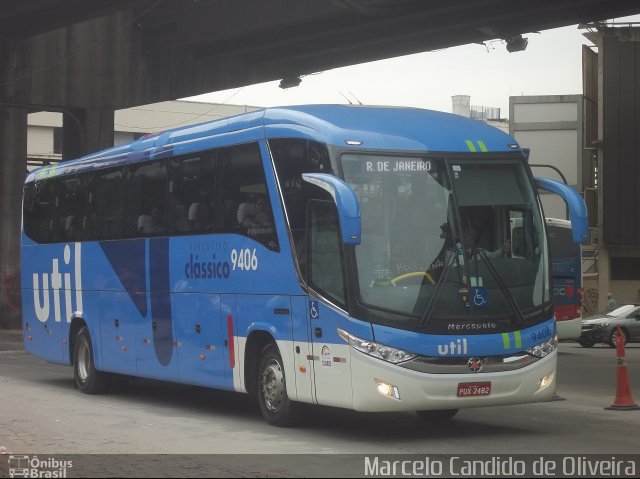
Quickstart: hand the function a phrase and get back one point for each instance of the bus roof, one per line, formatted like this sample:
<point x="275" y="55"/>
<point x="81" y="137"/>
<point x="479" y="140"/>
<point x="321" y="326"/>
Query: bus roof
<point x="365" y="127"/>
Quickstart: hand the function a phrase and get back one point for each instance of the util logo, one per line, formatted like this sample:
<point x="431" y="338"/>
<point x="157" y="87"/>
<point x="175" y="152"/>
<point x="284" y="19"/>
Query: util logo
<point x="458" y="346"/>
<point x="59" y="280"/>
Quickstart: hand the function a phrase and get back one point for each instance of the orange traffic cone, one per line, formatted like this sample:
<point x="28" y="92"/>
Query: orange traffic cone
<point x="624" y="400"/>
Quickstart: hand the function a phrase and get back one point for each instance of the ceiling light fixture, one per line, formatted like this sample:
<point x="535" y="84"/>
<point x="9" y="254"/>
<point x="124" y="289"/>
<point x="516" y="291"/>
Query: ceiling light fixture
<point x="516" y="44"/>
<point x="290" y="82"/>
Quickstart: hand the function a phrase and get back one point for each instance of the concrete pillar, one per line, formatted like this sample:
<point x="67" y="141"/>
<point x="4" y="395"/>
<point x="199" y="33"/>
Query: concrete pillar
<point x="13" y="167"/>
<point x="86" y="130"/>
<point x="603" y="252"/>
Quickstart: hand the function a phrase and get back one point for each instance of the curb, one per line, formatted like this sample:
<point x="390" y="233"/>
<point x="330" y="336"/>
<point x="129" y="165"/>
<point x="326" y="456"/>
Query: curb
<point x="11" y="335"/>
<point x="11" y="340"/>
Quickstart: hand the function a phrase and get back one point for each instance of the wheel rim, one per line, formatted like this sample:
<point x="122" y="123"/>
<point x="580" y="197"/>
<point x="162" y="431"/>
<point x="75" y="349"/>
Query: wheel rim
<point x="614" y="339"/>
<point x="84" y="359"/>
<point x="272" y="385"/>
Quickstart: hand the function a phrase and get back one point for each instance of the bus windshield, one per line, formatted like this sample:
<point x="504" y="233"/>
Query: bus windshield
<point x="449" y="238"/>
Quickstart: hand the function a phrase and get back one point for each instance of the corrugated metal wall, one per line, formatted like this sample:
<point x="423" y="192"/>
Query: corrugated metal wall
<point x="621" y="140"/>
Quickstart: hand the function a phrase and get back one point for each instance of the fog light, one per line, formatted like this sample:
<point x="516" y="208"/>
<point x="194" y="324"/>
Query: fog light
<point x="545" y="381"/>
<point x="388" y="390"/>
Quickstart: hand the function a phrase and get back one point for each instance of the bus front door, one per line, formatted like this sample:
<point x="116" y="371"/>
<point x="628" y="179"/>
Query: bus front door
<point x="330" y="354"/>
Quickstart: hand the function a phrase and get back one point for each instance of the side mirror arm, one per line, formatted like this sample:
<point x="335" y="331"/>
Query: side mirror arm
<point x="575" y="203"/>
<point x="346" y="202"/>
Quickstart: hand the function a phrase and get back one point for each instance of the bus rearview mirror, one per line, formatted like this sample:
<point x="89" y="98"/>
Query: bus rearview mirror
<point x="346" y="202"/>
<point x="575" y="203"/>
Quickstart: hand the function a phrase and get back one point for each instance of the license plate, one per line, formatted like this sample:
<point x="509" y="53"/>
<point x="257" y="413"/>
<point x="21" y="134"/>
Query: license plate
<point x="474" y="389"/>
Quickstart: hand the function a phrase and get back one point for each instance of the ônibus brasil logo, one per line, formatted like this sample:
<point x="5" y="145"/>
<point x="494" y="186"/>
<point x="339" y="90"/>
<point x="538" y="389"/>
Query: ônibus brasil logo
<point x="26" y="466"/>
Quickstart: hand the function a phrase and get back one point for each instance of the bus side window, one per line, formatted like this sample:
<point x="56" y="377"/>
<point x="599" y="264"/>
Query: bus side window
<point x="39" y="202"/>
<point x="293" y="157"/>
<point x="190" y="200"/>
<point x="242" y="199"/>
<point x="325" y="251"/>
<point x="146" y="199"/>
<point x="105" y="204"/>
<point x="69" y="219"/>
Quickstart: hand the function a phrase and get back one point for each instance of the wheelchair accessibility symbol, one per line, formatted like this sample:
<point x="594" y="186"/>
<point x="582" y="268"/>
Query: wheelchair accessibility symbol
<point x="313" y="310"/>
<point x="480" y="298"/>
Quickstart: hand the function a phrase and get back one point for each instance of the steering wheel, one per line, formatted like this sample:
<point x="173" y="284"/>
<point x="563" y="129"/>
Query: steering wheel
<point x="413" y="274"/>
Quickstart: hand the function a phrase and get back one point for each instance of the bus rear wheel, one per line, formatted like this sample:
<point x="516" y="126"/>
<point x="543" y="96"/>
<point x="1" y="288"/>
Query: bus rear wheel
<point x="438" y="415"/>
<point x="275" y="405"/>
<point x="87" y="378"/>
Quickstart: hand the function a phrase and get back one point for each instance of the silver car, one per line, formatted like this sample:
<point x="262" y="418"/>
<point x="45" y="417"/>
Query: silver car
<point x="601" y="328"/>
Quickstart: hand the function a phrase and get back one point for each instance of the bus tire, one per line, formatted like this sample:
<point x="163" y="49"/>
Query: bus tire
<point x="438" y="415"/>
<point x="275" y="405"/>
<point x="87" y="378"/>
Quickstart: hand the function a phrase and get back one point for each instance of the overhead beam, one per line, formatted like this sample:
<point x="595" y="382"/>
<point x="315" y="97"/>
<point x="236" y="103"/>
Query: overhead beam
<point x="25" y="18"/>
<point x="176" y="48"/>
<point x="227" y="54"/>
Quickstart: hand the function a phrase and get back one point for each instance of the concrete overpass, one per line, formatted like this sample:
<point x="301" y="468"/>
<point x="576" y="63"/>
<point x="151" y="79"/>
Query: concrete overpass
<point x="87" y="58"/>
<point x="121" y="53"/>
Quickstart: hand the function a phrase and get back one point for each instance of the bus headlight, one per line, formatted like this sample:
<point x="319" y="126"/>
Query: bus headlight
<point x="544" y="349"/>
<point x="380" y="351"/>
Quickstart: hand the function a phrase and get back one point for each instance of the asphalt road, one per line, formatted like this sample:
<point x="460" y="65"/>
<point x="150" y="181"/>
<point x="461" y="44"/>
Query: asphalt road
<point x="41" y="413"/>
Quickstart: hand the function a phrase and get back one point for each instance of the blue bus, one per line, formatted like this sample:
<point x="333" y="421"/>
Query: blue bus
<point x="337" y="255"/>
<point x="567" y="278"/>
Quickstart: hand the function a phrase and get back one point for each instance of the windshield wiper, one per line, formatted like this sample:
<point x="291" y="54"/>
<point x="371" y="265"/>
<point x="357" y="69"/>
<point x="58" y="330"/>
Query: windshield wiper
<point x="503" y="287"/>
<point x="426" y="316"/>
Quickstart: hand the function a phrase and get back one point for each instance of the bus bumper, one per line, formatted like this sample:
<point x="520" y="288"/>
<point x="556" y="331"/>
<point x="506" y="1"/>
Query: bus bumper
<point x="422" y="391"/>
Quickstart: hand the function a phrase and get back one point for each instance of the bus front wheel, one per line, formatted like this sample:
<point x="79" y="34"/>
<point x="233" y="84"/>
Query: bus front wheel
<point x="438" y="415"/>
<point x="275" y="405"/>
<point x="87" y="378"/>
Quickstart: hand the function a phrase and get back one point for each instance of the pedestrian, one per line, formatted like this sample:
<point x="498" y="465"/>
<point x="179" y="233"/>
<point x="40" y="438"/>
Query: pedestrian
<point x="611" y="303"/>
